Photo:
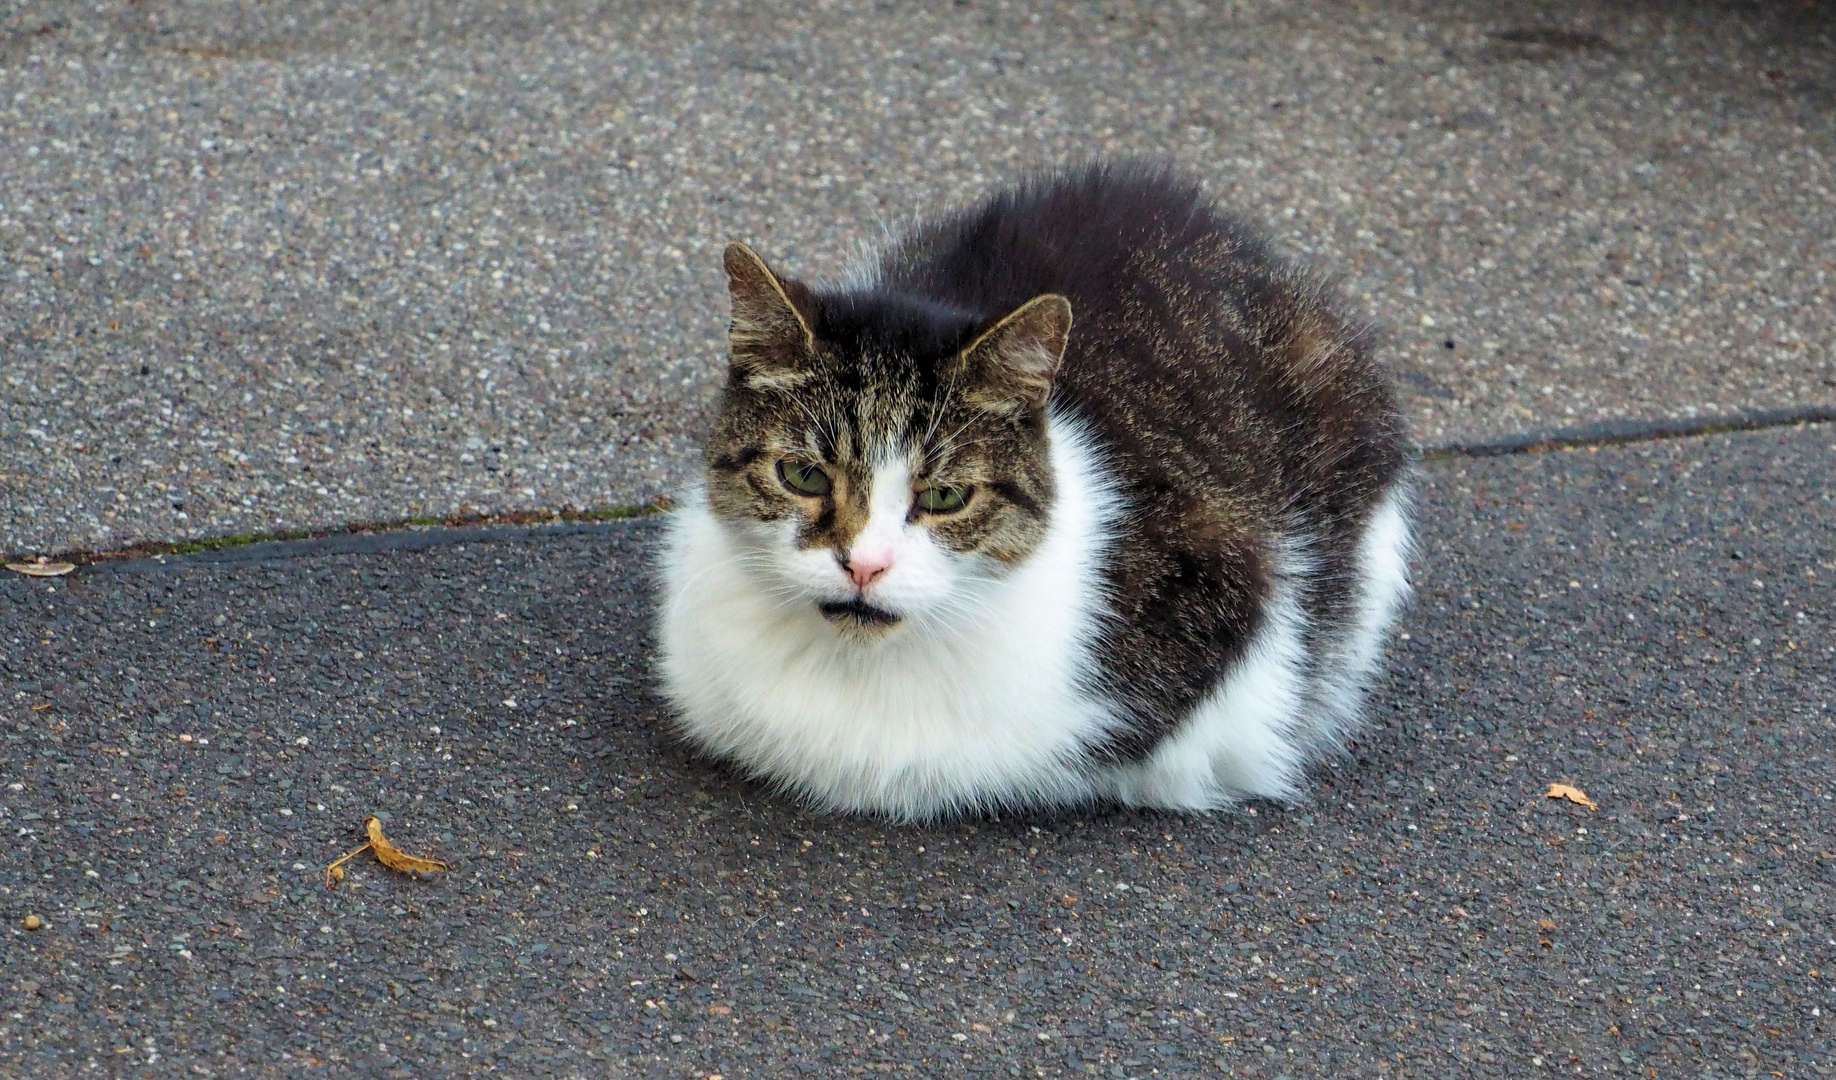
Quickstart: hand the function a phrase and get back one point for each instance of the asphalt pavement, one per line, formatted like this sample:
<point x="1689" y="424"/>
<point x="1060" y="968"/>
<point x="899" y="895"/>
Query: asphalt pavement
<point x="190" y="741"/>
<point x="282" y="266"/>
<point x="272" y="267"/>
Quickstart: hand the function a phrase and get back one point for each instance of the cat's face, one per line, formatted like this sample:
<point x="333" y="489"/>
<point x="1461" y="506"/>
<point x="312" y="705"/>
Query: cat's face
<point x="879" y="461"/>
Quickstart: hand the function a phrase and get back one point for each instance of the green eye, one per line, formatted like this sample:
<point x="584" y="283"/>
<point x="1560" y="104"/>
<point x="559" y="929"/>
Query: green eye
<point x="803" y="477"/>
<point x="942" y="500"/>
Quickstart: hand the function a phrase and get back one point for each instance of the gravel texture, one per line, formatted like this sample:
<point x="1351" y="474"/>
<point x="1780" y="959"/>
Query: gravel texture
<point x="281" y="265"/>
<point x="188" y="743"/>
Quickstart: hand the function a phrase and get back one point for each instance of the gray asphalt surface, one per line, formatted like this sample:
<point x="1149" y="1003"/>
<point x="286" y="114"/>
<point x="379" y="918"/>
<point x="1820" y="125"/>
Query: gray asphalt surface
<point x="269" y="266"/>
<point x="187" y="744"/>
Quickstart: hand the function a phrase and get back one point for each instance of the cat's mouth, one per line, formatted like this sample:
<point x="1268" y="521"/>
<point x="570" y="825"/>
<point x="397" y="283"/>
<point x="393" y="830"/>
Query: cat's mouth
<point x="857" y="614"/>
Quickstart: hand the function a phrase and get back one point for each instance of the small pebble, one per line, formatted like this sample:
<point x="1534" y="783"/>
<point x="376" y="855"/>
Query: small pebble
<point x="33" y="922"/>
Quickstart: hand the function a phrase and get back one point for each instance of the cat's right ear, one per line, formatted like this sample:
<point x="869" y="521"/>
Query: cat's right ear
<point x="769" y="340"/>
<point x="1010" y="368"/>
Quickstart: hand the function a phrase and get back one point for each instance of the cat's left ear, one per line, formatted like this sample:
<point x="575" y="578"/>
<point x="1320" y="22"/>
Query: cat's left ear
<point x="1010" y="368"/>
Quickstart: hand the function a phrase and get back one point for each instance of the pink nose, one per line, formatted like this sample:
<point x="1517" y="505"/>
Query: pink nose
<point x="864" y="570"/>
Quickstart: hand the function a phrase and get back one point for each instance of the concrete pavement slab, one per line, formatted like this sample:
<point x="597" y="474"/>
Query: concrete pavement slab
<point x="188" y="743"/>
<point x="274" y="266"/>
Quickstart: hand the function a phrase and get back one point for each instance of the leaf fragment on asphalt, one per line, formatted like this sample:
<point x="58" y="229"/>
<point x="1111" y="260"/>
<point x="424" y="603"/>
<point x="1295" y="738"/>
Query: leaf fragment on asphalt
<point x="1572" y="794"/>
<point x="41" y="568"/>
<point x="386" y="853"/>
<point x="393" y="857"/>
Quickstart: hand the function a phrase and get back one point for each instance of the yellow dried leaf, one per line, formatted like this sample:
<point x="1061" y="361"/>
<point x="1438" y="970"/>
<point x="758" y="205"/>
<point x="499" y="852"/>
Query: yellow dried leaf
<point x="393" y="857"/>
<point x="41" y="568"/>
<point x="1572" y="794"/>
<point x="386" y="853"/>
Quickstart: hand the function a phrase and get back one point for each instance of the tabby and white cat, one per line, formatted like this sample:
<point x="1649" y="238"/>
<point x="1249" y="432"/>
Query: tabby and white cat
<point x="1079" y="496"/>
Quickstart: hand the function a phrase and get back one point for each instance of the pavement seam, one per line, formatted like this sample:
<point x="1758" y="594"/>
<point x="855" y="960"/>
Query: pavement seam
<point x="417" y="534"/>
<point x="403" y="534"/>
<point x="1622" y="432"/>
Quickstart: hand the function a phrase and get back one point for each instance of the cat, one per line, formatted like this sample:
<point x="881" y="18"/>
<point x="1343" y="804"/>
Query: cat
<point x="1077" y="496"/>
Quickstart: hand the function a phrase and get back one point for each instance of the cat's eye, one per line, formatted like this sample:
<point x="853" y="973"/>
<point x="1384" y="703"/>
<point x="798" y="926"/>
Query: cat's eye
<point x="804" y="477"/>
<point x="943" y="500"/>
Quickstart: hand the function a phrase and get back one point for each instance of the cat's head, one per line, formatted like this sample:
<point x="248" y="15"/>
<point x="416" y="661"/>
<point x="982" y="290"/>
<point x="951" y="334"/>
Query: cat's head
<point x="881" y="457"/>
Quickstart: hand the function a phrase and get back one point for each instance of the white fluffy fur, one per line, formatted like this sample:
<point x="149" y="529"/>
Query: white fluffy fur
<point x="980" y="697"/>
<point x="1383" y="586"/>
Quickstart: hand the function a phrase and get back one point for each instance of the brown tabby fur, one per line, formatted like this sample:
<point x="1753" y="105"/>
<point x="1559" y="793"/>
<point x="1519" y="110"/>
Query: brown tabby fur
<point x="1231" y="399"/>
<point x="973" y="419"/>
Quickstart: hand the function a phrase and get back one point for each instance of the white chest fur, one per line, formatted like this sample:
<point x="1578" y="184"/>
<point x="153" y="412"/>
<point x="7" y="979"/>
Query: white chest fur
<point x="985" y="705"/>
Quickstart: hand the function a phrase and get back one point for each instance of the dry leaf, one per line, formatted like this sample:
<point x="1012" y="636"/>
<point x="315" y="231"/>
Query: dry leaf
<point x="1572" y="794"/>
<point x="394" y="858"/>
<point x="41" y="568"/>
<point x="386" y="853"/>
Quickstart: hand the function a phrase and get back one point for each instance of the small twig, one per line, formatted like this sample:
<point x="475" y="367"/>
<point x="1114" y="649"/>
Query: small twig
<point x="333" y="874"/>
